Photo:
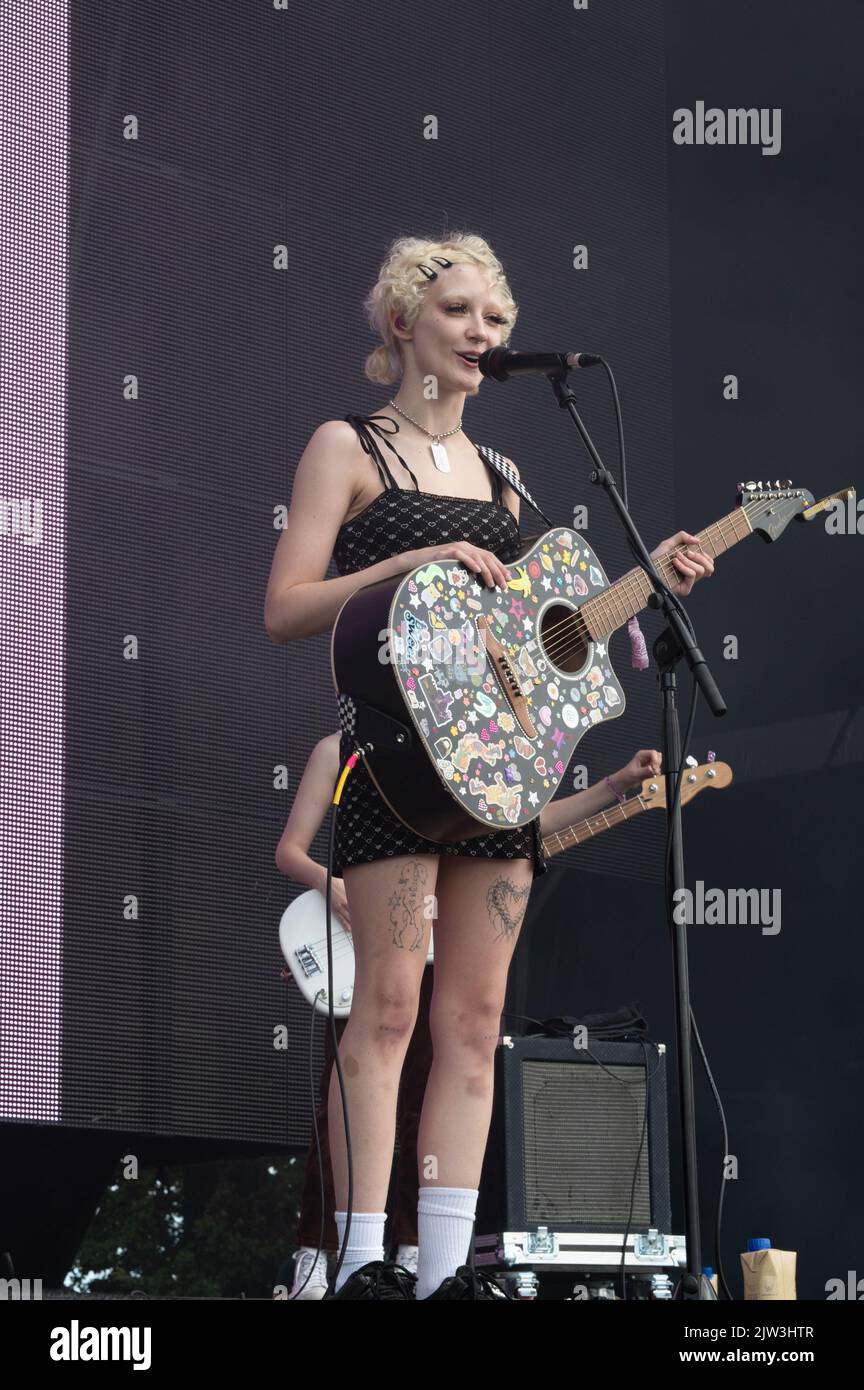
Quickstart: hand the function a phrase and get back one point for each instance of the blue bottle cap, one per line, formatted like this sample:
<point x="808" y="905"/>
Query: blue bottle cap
<point x="758" y="1243"/>
<point x="708" y="1271"/>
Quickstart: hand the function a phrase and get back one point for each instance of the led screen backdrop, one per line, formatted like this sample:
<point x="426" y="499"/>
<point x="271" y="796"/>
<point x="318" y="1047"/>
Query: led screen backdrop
<point x="235" y="174"/>
<point x="33" y="233"/>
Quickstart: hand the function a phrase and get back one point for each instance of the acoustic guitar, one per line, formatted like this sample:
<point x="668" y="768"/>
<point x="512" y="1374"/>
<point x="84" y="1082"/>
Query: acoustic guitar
<point x="469" y="703"/>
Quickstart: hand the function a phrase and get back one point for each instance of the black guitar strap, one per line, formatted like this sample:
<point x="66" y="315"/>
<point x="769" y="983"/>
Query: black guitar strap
<point x="365" y="724"/>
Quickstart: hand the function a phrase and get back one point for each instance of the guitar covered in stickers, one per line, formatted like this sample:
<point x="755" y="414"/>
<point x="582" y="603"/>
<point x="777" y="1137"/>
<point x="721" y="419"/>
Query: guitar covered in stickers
<point x="492" y="692"/>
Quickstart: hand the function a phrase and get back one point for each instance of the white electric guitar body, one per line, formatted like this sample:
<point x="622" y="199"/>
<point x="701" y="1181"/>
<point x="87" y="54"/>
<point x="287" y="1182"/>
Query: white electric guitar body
<point x="303" y="938"/>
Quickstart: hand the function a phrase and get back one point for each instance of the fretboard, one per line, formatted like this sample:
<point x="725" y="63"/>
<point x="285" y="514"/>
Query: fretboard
<point x="592" y="825"/>
<point x="629" y="594"/>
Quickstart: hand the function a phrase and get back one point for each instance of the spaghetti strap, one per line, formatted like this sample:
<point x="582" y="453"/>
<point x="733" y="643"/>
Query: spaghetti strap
<point x="365" y="425"/>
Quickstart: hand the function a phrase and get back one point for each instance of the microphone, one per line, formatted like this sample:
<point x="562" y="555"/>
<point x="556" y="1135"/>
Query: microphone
<point x="502" y="363"/>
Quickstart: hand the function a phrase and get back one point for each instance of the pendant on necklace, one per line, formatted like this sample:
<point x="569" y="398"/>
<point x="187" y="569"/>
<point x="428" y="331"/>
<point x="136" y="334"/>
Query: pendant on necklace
<point x="439" y="454"/>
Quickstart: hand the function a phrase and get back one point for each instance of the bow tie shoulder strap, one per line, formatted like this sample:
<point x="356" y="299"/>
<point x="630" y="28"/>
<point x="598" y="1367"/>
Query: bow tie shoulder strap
<point x="504" y="469"/>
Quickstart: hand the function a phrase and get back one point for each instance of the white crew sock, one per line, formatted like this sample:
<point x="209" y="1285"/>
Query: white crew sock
<point x="445" y="1219"/>
<point x="365" y="1241"/>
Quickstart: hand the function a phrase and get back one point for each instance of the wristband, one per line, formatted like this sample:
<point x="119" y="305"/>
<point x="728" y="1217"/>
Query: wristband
<point x="614" y="790"/>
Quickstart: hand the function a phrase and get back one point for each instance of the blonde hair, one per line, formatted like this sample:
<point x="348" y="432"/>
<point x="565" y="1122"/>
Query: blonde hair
<point x="401" y="288"/>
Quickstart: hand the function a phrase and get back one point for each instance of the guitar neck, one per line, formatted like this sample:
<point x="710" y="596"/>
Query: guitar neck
<point x="593" y="825"/>
<point x="630" y="594"/>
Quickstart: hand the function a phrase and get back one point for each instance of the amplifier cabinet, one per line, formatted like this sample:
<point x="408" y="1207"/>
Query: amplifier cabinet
<point x="564" y="1141"/>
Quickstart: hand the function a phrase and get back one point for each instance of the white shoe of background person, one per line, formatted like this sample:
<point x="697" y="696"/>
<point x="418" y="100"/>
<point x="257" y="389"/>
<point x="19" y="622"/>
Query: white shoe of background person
<point x="304" y="1260"/>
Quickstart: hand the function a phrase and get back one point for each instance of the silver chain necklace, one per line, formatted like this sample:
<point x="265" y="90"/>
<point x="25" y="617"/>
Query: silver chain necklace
<point x="439" y="453"/>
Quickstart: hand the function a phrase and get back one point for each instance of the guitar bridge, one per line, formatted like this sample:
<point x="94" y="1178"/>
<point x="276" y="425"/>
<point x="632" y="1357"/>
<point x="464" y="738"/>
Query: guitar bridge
<point x="507" y="679"/>
<point x="307" y="962"/>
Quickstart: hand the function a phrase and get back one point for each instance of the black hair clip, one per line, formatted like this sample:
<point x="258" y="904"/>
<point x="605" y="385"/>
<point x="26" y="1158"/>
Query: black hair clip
<point x="428" y="272"/>
<point x="439" y="260"/>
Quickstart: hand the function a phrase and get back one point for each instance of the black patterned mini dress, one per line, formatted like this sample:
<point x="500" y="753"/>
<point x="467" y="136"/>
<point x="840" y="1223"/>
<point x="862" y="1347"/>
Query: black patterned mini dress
<point x="399" y="519"/>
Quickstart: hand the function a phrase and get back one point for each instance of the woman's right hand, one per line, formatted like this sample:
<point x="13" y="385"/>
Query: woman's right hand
<point x="480" y="562"/>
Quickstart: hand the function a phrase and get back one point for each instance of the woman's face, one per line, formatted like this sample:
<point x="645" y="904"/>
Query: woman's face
<point x="461" y="312"/>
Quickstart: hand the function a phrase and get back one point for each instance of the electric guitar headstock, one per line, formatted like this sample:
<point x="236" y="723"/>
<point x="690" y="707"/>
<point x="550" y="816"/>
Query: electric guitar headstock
<point x="695" y="780"/>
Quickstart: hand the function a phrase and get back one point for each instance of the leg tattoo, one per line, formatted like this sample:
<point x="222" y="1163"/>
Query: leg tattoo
<point x="406" y="907"/>
<point x="506" y="903"/>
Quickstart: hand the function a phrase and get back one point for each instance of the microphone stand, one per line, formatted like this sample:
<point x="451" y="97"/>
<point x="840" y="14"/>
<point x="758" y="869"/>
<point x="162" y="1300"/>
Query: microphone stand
<point x="676" y="641"/>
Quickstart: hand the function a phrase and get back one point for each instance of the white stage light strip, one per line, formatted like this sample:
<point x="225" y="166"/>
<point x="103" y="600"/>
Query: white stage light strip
<point x="33" y="179"/>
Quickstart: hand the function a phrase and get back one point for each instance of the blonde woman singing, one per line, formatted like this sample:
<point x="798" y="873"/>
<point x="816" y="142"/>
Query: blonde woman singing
<point x="380" y="511"/>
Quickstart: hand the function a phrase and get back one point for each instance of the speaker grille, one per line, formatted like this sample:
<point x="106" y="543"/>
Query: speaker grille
<point x="581" y="1128"/>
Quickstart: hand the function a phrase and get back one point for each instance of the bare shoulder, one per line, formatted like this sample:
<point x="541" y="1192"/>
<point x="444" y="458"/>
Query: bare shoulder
<point x="325" y="484"/>
<point x="332" y="447"/>
<point x="331" y="470"/>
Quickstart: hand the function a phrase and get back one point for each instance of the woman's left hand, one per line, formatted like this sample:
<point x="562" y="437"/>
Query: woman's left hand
<point x="646" y="763"/>
<point x="691" y="564"/>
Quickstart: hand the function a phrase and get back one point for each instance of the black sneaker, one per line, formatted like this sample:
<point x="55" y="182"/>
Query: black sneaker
<point x="470" y="1283"/>
<point x="381" y="1279"/>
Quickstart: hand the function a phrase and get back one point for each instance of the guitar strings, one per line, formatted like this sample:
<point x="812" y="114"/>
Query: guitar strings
<point x="344" y="946"/>
<point x="622" y="811"/>
<point x="572" y="631"/>
<point x="630" y="584"/>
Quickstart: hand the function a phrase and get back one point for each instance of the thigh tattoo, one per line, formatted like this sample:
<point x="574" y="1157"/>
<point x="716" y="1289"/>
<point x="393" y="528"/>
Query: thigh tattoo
<point x="506" y="903"/>
<point x="406" y="907"/>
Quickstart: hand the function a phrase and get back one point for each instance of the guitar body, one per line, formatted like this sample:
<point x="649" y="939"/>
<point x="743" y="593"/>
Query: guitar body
<point x="303" y="940"/>
<point x="497" y="689"/>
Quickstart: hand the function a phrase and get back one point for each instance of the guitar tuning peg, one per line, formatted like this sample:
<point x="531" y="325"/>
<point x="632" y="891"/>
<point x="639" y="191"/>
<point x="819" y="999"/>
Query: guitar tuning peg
<point x="711" y="757"/>
<point x="691" y="761"/>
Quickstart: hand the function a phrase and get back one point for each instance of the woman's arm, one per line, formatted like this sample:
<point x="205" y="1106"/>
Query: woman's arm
<point x="299" y="600"/>
<point x="314" y="796"/>
<point x="558" y="815"/>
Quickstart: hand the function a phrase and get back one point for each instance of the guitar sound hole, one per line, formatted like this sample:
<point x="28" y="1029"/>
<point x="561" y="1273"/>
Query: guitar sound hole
<point x="564" y="638"/>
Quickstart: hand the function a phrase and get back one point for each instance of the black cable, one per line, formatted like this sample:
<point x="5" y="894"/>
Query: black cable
<point x="317" y="1150"/>
<point x="619" y="422"/>
<point x="334" y="811"/>
<point x="718" y="1258"/>
<point x="643" y="1044"/>
<point x="676" y="795"/>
